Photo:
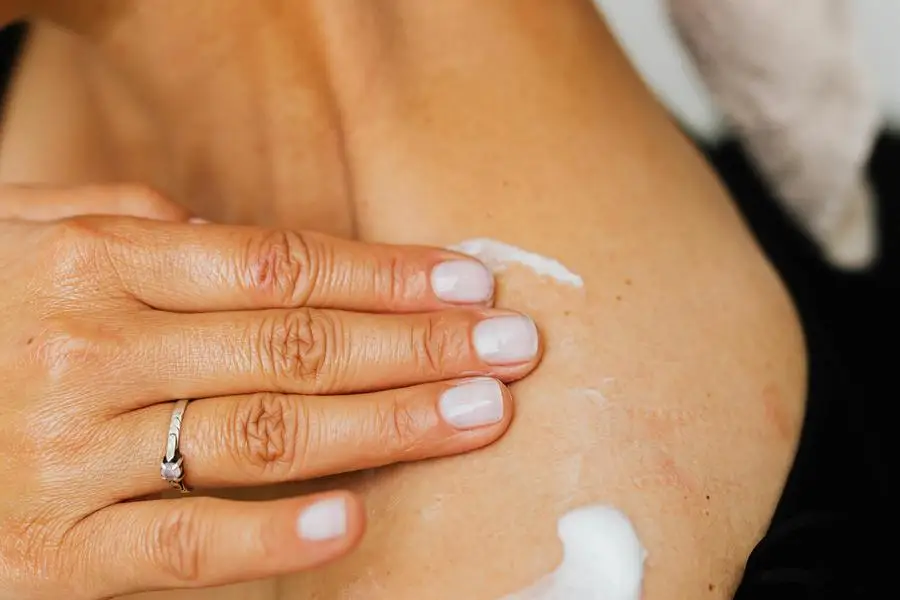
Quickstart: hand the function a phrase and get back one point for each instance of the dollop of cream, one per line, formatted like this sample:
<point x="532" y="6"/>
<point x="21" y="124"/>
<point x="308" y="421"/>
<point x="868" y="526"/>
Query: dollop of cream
<point x="497" y="255"/>
<point x="602" y="559"/>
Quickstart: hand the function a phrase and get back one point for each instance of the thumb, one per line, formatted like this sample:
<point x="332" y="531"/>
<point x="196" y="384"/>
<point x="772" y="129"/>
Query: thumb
<point x="44" y="203"/>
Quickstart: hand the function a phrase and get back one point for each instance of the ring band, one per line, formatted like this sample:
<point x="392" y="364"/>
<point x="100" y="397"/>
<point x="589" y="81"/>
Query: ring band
<point x="171" y="468"/>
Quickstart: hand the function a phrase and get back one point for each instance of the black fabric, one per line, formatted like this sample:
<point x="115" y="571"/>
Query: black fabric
<point x="10" y="40"/>
<point x="831" y="535"/>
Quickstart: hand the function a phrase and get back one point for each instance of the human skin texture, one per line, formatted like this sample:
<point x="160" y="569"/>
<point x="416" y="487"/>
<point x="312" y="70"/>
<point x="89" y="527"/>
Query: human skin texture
<point x="673" y="382"/>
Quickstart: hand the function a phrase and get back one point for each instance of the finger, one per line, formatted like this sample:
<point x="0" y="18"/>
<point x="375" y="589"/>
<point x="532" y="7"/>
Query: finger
<point x="202" y="542"/>
<point x="182" y="268"/>
<point x="310" y="351"/>
<point x="269" y="438"/>
<point x="40" y="203"/>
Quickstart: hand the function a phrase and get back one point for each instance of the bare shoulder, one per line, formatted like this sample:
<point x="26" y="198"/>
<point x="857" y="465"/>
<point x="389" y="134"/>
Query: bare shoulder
<point x="684" y="418"/>
<point x="673" y="384"/>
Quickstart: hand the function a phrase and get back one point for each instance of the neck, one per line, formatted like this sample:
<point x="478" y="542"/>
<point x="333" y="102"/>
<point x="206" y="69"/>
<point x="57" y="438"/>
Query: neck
<point x="228" y="107"/>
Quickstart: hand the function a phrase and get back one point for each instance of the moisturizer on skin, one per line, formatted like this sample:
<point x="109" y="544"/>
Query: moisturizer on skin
<point x="497" y="255"/>
<point x="602" y="559"/>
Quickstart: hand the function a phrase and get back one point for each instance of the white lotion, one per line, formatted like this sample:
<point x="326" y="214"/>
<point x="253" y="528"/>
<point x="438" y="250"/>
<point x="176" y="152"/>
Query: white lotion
<point x="497" y="255"/>
<point x="602" y="559"/>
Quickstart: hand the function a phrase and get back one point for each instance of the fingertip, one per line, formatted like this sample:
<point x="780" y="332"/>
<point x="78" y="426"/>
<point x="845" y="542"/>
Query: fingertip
<point x="476" y="411"/>
<point x="475" y="403"/>
<point x="462" y="280"/>
<point x="330" y="524"/>
<point x="507" y="344"/>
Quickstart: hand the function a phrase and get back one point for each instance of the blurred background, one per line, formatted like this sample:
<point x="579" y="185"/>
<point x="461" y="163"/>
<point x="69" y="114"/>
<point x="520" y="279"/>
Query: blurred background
<point x="828" y="535"/>
<point x="644" y="30"/>
<point x="836" y="511"/>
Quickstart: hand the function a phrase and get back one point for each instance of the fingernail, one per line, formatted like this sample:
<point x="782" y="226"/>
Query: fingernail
<point x="462" y="281"/>
<point x="471" y="404"/>
<point x="324" y="520"/>
<point x="506" y="340"/>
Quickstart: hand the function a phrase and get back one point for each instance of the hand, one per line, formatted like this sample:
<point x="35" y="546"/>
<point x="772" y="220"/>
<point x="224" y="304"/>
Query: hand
<point x="303" y="355"/>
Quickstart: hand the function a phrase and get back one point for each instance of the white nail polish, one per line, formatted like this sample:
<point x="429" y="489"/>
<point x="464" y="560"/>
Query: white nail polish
<point x="462" y="282"/>
<point x="506" y="340"/>
<point x="324" y="520"/>
<point x="472" y="404"/>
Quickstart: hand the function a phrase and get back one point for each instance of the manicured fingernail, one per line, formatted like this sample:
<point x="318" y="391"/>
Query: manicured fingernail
<point x="324" y="520"/>
<point x="473" y="403"/>
<point x="462" y="282"/>
<point x="198" y="221"/>
<point x="506" y="340"/>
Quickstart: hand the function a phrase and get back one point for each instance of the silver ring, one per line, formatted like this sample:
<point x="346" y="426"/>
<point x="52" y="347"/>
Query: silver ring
<point x="171" y="468"/>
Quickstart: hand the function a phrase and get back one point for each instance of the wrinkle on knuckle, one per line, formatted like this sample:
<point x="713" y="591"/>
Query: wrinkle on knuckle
<point x="430" y="343"/>
<point x="395" y="285"/>
<point x="62" y="350"/>
<point x="399" y="427"/>
<point x="267" y="432"/>
<point x="71" y="249"/>
<point x="281" y="265"/>
<point x="295" y="347"/>
<point x="398" y="281"/>
<point x="176" y="544"/>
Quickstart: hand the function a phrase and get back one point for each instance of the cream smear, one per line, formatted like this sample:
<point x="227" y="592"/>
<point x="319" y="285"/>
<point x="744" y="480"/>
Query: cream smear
<point x="497" y="256"/>
<point x="602" y="559"/>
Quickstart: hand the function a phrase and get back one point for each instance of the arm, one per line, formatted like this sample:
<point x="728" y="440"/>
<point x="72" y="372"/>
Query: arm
<point x="527" y="125"/>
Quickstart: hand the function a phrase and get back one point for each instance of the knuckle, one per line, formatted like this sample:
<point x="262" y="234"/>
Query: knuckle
<point x="73" y="254"/>
<point x="395" y="286"/>
<point x="296" y="346"/>
<point x="280" y="265"/>
<point x="61" y="350"/>
<point x="399" y="427"/>
<point x="72" y="241"/>
<point x="398" y="281"/>
<point x="431" y="343"/>
<point x="267" y="430"/>
<point x="176" y="545"/>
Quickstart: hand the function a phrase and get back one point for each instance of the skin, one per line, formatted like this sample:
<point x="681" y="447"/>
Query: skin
<point x="672" y="385"/>
<point x="305" y="356"/>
